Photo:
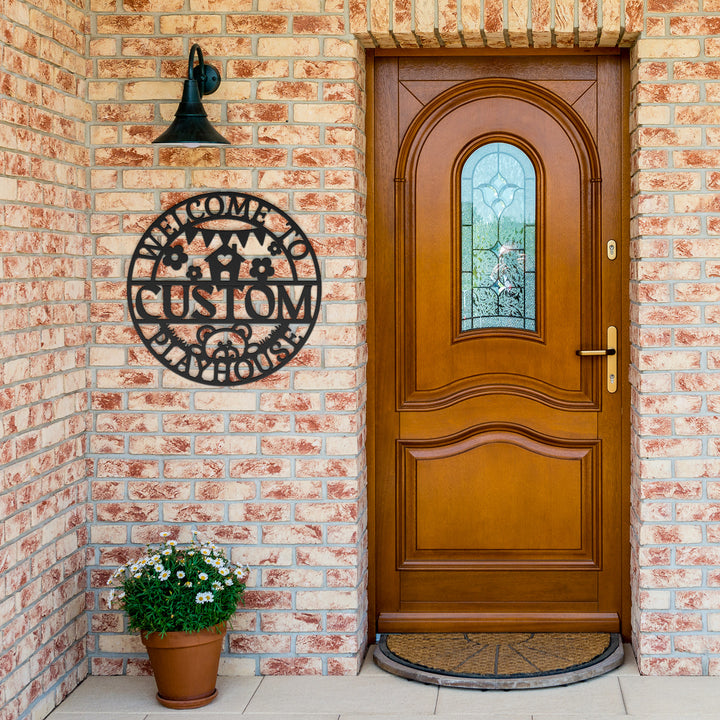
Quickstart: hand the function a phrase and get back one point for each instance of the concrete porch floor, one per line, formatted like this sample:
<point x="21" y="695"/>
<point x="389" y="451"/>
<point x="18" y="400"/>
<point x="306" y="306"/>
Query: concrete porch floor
<point x="376" y="695"/>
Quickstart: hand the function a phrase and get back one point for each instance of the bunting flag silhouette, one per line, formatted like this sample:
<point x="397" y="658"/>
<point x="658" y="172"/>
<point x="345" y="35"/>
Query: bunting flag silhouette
<point x="226" y="236"/>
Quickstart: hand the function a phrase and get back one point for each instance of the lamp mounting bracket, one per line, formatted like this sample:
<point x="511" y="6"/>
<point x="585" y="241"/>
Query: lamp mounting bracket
<point x="206" y="76"/>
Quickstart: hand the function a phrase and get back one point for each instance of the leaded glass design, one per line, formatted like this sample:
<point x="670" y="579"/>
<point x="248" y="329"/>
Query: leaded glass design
<point x="497" y="189"/>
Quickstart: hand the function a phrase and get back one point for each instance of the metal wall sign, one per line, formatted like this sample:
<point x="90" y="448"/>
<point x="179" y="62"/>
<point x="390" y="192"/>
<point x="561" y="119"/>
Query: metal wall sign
<point x="224" y="288"/>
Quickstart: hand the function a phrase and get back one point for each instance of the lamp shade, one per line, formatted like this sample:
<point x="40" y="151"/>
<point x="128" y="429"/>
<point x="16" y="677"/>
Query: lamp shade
<point x="191" y="126"/>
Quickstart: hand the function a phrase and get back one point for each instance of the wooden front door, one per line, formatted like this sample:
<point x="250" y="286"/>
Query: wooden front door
<point x="497" y="255"/>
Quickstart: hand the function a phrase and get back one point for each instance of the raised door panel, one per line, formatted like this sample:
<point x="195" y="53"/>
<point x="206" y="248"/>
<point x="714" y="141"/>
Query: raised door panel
<point x="441" y="364"/>
<point x="498" y="498"/>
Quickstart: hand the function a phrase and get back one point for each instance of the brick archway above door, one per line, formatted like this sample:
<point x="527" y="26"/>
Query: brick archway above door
<point x="496" y="23"/>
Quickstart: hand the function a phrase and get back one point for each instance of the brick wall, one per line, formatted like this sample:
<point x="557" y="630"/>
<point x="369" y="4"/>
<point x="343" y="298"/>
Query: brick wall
<point x="675" y="290"/>
<point x="275" y="470"/>
<point x="44" y="246"/>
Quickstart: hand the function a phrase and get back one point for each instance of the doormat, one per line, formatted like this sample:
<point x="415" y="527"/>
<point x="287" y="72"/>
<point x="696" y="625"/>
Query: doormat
<point x="499" y="661"/>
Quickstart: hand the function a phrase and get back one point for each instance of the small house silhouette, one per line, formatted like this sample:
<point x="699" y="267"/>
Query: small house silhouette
<point x="225" y="261"/>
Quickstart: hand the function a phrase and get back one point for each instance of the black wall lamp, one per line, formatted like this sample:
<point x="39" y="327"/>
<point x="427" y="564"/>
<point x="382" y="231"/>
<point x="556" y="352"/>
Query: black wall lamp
<point x="191" y="126"/>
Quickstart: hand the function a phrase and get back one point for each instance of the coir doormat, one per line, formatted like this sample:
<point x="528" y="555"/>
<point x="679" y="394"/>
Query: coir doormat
<point x="499" y="661"/>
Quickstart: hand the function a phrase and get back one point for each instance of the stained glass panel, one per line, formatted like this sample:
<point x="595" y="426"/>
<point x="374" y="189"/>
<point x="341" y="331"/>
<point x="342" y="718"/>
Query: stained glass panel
<point x="497" y="189"/>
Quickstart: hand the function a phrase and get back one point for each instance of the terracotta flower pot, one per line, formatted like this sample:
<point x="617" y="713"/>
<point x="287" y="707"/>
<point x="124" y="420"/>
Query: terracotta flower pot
<point x="185" y="666"/>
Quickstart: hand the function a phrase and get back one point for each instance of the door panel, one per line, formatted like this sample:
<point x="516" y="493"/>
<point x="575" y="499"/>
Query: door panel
<point x="438" y="370"/>
<point x="497" y="464"/>
<point x="458" y="522"/>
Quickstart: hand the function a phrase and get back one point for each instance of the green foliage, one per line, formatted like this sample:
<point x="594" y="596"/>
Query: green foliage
<point x="173" y="588"/>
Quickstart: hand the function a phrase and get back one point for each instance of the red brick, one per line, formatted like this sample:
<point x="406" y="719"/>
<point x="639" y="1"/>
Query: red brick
<point x="670" y="578"/>
<point x="655" y="644"/>
<point x="669" y="447"/>
<point x="697" y="425"/>
<point x="326" y="512"/>
<point x="259" y="644"/>
<point x="225" y="490"/>
<point x="329" y="644"/>
<point x="128" y="468"/>
<point x="257" y="423"/>
<point x="689" y="25"/>
<point x="326" y="468"/>
<point x="697" y="336"/>
<point x="697" y="556"/>
<point x="193" y="423"/>
<point x="684" y="490"/>
<point x="159" y="490"/>
<point x="193" y="512"/>
<point x="668" y="92"/>
<point x="268" y="600"/>
<point x="260" y="512"/>
<point x="649" y="556"/>
<point x="291" y="534"/>
<point x="291" y="489"/>
<point x="297" y="445"/>
<point x="260" y="468"/>
<point x="687" y="512"/>
<point x="127" y="512"/>
<point x="702" y="115"/>
<point x="670" y="622"/>
<point x="257" y="24"/>
<point x="194" y="469"/>
<point x="291" y="666"/>
<point x="669" y="534"/>
<point x="232" y="534"/>
<point x="698" y="600"/>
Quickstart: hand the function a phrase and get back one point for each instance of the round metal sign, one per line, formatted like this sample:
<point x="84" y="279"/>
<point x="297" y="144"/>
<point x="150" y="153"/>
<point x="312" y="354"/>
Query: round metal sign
<point x="224" y="288"/>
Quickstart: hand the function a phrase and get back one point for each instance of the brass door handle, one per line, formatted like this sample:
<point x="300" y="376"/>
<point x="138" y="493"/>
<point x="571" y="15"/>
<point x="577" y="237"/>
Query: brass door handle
<point x="607" y="351"/>
<point x="611" y="353"/>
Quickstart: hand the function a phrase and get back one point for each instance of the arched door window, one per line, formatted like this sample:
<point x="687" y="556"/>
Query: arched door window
<point x="498" y="255"/>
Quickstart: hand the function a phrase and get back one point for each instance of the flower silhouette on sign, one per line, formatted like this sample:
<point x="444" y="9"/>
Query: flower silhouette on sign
<point x="174" y="257"/>
<point x="261" y="268"/>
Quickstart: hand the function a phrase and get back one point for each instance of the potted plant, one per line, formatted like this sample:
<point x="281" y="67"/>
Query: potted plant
<point x="181" y="598"/>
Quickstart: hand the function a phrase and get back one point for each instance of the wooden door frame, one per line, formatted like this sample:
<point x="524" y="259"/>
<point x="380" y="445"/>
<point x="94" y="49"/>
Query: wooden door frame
<point x="373" y="145"/>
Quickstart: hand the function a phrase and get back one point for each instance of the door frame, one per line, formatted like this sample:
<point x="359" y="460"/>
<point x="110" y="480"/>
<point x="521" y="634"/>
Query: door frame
<point x="373" y="146"/>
